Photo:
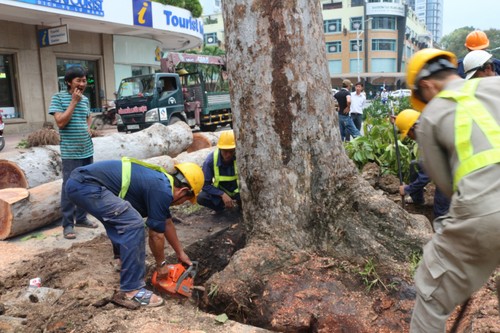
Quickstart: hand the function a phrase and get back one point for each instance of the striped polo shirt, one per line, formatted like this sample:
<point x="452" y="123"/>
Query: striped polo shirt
<point x="75" y="138"/>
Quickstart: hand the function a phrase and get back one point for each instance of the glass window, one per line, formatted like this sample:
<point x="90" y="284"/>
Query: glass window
<point x="356" y="65"/>
<point x="355" y="45"/>
<point x="92" y="91"/>
<point x="384" y="22"/>
<point x="332" y="26"/>
<point x="210" y="38"/>
<point x="8" y="101"/>
<point x="334" y="47"/>
<point x="386" y="65"/>
<point x="384" y="45"/>
<point x="140" y="70"/>
<point x="335" y="66"/>
<point x="357" y="23"/>
<point x="137" y="87"/>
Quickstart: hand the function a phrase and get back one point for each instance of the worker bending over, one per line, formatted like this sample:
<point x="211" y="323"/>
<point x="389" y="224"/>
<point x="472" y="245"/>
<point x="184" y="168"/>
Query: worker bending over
<point x="459" y="135"/>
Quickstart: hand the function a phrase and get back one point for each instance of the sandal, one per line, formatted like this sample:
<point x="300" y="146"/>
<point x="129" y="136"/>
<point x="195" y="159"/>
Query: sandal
<point x="68" y="232"/>
<point x="87" y="224"/>
<point x="143" y="297"/>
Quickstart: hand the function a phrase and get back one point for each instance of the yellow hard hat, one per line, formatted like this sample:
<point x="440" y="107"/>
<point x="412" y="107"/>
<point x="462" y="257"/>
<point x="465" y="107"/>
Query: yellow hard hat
<point x="182" y="71"/>
<point x="226" y="140"/>
<point x="416" y="70"/>
<point x="405" y="121"/>
<point x="194" y="176"/>
<point x="477" y="40"/>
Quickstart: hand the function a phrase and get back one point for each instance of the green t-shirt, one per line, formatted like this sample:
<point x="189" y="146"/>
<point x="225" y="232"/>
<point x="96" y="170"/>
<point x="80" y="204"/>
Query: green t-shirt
<point x="76" y="142"/>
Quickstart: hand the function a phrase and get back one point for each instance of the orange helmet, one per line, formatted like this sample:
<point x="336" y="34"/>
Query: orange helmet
<point x="477" y="40"/>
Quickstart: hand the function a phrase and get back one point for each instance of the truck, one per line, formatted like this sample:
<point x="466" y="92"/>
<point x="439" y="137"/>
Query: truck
<point x="192" y="88"/>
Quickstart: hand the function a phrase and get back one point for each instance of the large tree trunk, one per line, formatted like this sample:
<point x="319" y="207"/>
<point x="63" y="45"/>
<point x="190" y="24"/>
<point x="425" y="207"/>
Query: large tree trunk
<point x="301" y="194"/>
<point x="43" y="164"/>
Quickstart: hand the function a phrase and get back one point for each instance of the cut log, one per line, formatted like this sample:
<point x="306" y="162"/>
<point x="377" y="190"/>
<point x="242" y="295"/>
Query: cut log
<point x="197" y="157"/>
<point x="200" y="141"/>
<point x="23" y="210"/>
<point x="43" y="164"/>
<point x="11" y="175"/>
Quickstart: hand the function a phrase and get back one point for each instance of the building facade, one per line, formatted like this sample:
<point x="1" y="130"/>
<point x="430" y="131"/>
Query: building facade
<point x="430" y="12"/>
<point x="368" y="41"/>
<point x="111" y="39"/>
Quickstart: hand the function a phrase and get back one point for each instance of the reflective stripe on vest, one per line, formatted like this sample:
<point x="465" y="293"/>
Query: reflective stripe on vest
<point x="127" y="173"/>
<point x="218" y="178"/>
<point x="470" y="110"/>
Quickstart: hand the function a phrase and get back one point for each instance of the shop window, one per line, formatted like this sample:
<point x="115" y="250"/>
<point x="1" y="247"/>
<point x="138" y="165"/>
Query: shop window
<point x="140" y="70"/>
<point x="8" y="100"/>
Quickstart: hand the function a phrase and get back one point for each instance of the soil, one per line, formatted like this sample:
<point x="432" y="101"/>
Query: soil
<point x="82" y="270"/>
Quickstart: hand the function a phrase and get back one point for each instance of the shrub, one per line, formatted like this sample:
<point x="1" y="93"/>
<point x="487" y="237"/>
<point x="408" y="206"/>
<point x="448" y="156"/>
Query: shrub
<point x="378" y="143"/>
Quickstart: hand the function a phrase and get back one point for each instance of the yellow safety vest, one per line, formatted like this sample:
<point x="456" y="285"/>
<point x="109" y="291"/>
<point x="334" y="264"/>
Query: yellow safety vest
<point x="218" y="178"/>
<point x="470" y="110"/>
<point x="127" y="173"/>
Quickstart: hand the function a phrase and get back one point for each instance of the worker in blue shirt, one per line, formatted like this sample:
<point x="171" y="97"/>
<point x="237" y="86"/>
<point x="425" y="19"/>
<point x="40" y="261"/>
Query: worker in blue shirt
<point x="221" y="188"/>
<point x="119" y="194"/>
<point x="407" y="123"/>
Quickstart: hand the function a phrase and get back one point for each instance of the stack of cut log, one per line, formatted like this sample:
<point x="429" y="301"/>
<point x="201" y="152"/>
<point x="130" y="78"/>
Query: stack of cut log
<point x="30" y="182"/>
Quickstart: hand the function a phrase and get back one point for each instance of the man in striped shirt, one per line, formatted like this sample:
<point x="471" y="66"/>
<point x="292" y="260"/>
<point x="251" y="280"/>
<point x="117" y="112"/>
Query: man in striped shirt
<point x="71" y="111"/>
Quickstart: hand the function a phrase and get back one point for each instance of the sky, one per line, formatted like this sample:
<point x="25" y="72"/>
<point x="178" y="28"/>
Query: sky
<point x="483" y="14"/>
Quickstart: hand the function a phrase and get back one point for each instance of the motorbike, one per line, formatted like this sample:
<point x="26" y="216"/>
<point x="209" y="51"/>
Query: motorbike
<point x="106" y="117"/>
<point x="2" y="140"/>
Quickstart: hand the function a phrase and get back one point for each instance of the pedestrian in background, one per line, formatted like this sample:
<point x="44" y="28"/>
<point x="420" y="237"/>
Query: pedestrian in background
<point x="343" y="97"/>
<point x="458" y="135"/>
<point x="71" y="111"/>
<point x="358" y="103"/>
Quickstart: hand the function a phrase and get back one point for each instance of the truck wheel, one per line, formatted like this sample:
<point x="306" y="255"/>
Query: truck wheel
<point x="208" y="128"/>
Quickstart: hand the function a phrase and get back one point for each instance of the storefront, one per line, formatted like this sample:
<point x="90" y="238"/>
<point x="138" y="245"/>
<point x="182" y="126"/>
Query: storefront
<point x="111" y="39"/>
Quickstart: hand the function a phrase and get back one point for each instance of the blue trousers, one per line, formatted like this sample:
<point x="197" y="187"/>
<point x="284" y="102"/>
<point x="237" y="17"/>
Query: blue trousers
<point x="69" y="211"/>
<point x="347" y="127"/>
<point x="124" y="225"/>
<point x="213" y="202"/>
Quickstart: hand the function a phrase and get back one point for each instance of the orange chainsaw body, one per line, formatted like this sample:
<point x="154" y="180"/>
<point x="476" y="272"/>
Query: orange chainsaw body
<point x="179" y="280"/>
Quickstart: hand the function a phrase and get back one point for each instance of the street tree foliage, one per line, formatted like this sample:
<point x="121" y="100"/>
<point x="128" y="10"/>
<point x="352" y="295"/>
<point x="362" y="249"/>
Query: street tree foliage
<point x="454" y="42"/>
<point x="193" y="6"/>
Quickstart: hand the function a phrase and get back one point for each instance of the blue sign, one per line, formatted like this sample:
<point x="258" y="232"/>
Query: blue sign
<point x="143" y="14"/>
<point x="91" y="7"/>
<point x="53" y="36"/>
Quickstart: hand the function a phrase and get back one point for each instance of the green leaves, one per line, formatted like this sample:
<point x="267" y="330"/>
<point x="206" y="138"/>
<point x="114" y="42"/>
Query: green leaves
<point x="378" y="144"/>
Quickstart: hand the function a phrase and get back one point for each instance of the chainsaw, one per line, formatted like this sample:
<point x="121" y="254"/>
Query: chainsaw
<point x="179" y="279"/>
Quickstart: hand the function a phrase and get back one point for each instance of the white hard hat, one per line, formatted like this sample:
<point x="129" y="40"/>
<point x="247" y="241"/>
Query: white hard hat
<point x="474" y="60"/>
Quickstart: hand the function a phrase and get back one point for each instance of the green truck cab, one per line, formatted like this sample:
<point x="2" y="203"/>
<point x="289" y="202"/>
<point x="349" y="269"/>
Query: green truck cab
<point x="190" y="88"/>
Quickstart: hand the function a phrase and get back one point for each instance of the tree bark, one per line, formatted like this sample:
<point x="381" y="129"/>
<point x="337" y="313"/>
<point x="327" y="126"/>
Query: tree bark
<point x="43" y="164"/>
<point x="300" y="192"/>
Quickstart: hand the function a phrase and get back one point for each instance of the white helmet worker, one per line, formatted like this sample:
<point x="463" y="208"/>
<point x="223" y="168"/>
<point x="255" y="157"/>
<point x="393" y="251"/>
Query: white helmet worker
<point x="474" y="61"/>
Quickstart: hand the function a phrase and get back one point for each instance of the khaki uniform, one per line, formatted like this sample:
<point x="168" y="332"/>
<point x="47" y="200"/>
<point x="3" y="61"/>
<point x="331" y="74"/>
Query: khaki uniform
<point x="465" y="249"/>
